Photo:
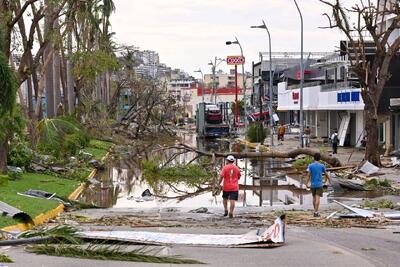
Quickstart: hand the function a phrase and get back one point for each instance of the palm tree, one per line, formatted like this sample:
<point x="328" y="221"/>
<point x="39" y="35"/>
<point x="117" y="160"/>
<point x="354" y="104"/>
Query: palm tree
<point x="48" y="55"/>
<point x="7" y="104"/>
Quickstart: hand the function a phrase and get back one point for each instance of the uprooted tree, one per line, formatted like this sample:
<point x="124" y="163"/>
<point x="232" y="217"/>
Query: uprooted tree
<point x="199" y="175"/>
<point x="369" y="24"/>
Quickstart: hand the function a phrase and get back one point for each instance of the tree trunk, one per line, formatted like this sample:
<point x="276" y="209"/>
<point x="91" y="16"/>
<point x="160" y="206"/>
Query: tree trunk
<point x="50" y="107"/>
<point x="109" y="87"/>
<point x="63" y="76"/>
<point x="334" y="162"/>
<point x="57" y="82"/>
<point x="49" y="87"/>
<point x="31" y="114"/>
<point x="371" y="127"/>
<point x="70" y="79"/>
<point x="3" y="157"/>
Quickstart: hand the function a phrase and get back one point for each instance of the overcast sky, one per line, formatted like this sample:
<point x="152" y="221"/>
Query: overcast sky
<point x="187" y="34"/>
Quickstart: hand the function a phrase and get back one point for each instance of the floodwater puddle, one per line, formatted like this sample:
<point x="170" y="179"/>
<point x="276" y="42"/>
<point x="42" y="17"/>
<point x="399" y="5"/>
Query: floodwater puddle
<point x="266" y="183"/>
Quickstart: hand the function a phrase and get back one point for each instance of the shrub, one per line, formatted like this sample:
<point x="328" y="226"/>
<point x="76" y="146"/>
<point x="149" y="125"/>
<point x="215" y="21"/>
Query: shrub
<point x="253" y="133"/>
<point x="303" y="162"/>
<point x="377" y="184"/>
<point x="61" y="136"/>
<point x="14" y="175"/>
<point x="382" y="203"/>
<point x="19" y="155"/>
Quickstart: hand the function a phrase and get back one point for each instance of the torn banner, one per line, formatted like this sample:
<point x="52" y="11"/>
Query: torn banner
<point x="272" y="237"/>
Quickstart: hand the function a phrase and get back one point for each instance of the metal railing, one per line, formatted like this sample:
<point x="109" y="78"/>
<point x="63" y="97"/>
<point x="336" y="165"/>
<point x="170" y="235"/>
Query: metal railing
<point x="329" y="86"/>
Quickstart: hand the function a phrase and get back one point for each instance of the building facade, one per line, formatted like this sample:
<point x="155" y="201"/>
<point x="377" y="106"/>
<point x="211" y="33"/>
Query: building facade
<point x="331" y="99"/>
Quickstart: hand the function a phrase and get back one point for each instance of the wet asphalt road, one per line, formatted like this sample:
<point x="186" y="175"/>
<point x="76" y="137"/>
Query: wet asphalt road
<point x="305" y="246"/>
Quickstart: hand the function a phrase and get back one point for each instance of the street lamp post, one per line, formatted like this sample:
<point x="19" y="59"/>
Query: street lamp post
<point x="202" y="85"/>
<point x="271" y="120"/>
<point x="244" y="82"/>
<point x="301" y="79"/>
<point x="214" y="66"/>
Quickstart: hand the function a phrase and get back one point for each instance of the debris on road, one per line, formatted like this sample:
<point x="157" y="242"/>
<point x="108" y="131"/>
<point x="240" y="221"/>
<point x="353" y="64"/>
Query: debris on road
<point x="199" y="210"/>
<point x="63" y="241"/>
<point x="10" y="211"/>
<point x="107" y="253"/>
<point x="368" y="168"/>
<point x="370" y="214"/>
<point x="352" y="184"/>
<point x="129" y="221"/>
<point x="272" y="237"/>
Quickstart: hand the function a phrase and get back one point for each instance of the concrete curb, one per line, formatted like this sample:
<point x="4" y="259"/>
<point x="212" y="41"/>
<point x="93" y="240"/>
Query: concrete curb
<point x="45" y="217"/>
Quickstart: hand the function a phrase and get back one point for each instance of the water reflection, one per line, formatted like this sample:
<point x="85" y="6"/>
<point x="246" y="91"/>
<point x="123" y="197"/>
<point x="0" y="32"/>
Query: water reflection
<point x="265" y="181"/>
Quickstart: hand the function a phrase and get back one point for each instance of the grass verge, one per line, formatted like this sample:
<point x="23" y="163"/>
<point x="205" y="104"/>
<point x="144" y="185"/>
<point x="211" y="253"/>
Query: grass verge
<point x="98" y="148"/>
<point x="34" y="206"/>
<point x="50" y="183"/>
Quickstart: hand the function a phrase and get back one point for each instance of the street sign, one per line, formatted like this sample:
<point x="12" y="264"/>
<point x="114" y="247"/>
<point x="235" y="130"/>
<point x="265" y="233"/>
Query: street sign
<point x="394" y="102"/>
<point x="235" y="60"/>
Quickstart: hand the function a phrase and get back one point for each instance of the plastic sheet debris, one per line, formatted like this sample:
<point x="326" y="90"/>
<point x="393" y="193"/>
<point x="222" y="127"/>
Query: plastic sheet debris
<point x="144" y="197"/>
<point x="395" y="161"/>
<point x="45" y="195"/>
<point x="369" y="168"/>
<point x="272" y="237"/>
<point x="357" y="185"/>
<point x="357" y="212"/>
<point x="146" y="193"/>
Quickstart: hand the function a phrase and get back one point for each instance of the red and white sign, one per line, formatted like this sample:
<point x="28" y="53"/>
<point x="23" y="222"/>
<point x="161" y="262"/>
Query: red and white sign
<point x="298" y="74"/>
<point x="295" y="97"/>
<point x="235" y="60"/>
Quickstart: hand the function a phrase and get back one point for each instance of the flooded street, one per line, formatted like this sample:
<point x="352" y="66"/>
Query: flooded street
<point x="264" y="182"/>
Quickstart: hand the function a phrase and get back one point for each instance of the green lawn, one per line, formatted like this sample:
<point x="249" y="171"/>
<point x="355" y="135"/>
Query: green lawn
<point x="62" y="187"/>
<point x="98" y="148"/>
<point x="34" y="206"/>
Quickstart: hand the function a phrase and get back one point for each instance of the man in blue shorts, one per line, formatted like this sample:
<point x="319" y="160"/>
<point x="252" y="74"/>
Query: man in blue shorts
<point x="315" y="172"/>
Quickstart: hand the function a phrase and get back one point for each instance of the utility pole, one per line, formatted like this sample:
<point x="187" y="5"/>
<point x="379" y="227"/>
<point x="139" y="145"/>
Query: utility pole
<point x="236" y="99"/>
<point x="214" y="77"/>
<point x="271" y="119"/>
<point x="261" y="94"/>
<point x="214" y="93"/>
<point x="301" y="80"/>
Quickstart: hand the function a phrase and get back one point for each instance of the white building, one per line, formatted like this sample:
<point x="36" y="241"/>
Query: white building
<point x="331" y="99"/>
<point x="327" y="108"/>
<point x="182" y="91"/>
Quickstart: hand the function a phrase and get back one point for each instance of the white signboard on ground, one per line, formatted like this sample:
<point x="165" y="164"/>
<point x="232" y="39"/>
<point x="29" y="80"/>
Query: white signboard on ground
<point x="272" y="237"/>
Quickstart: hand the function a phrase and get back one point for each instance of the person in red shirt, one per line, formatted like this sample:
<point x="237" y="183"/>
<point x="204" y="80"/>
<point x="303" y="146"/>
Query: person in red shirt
<point x="230" y="176"/>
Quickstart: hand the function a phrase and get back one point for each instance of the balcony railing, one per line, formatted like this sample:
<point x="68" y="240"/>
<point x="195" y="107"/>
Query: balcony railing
<point x="327" y="87"/>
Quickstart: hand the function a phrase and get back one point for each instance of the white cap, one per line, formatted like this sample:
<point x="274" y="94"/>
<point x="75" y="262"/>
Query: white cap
<point x="230" y="158"/>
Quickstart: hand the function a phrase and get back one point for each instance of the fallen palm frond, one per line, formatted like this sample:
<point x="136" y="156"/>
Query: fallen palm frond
<point x="109" y="252"/>
<point x="5" y="258"/>
<point x="59" y="234"/>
